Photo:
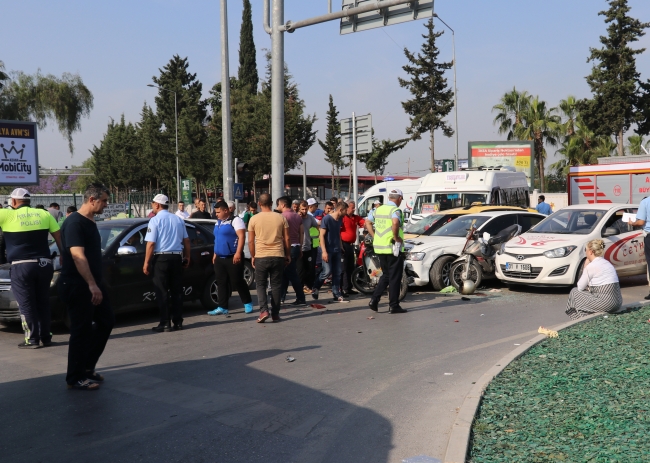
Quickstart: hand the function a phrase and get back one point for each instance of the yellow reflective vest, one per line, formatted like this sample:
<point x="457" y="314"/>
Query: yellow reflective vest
<point x="314" y="234"/>
<point x="383" y="241"/>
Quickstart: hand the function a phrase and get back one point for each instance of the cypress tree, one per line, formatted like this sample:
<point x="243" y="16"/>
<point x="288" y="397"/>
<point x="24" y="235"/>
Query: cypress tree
<point x="432" y="98"/>
<point x="614" y="80"/>
<point x="247" y="73"/>
<point x="332" y="144"/>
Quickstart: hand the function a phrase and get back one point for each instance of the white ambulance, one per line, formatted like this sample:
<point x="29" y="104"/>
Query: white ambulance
<point x="379" y="192"/>
<point x="626" y="183"/>
<point x="486" y="185"/>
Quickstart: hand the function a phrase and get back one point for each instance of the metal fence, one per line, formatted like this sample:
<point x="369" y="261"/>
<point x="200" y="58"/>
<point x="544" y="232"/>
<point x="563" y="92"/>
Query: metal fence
<point x="64" y="200"/>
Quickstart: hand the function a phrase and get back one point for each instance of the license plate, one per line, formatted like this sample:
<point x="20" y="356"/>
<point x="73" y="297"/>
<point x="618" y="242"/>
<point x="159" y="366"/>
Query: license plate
<point x="516" y="267"/>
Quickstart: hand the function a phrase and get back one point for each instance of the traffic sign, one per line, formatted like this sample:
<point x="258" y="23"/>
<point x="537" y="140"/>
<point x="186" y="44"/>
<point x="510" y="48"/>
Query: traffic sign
<point x="239" y="191"/>
<point x="363" y="133"/>
<point x="448" y="165"/>
<point x="387" y="16"/>
<point x="186" y="190"/>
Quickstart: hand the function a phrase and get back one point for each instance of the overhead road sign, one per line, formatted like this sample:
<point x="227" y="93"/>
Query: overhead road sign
<point x="361" y="130"/>
<point x="382" y="15"/>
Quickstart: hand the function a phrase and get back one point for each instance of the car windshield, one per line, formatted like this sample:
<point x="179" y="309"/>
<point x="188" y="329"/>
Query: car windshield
<point x="570" y="221"/>
<point x="428" y="225"/>
<point x="459" y="226"/>
<point x="109" y="232"/>
<point x="430" y="203"/>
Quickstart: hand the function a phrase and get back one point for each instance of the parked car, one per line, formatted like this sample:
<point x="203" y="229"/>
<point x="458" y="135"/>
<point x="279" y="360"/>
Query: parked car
<point x="553" y="252"/>
<point x="123" y="249"/>
<point x="249" y="272"/>
<point x="429" y="258"/>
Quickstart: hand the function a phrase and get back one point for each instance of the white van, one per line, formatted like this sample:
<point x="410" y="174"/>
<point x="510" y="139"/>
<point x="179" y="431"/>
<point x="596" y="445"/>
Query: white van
<point x="380" y="192"/>
<point x="487" y="185"/>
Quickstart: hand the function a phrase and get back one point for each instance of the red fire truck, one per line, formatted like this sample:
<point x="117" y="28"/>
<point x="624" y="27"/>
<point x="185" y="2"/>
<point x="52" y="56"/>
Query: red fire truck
<point x="626" y="183"/>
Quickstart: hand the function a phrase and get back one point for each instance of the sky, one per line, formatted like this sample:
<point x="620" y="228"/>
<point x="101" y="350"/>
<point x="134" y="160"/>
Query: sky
<point x="116" y="47"/>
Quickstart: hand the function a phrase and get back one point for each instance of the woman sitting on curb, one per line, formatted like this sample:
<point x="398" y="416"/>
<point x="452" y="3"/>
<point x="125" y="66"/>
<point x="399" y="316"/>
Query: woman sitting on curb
<point x="598" y="289"/>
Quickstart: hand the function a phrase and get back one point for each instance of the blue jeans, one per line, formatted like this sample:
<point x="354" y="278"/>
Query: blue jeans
<point x="333" y="267"/>
<point x="290" y="275"/>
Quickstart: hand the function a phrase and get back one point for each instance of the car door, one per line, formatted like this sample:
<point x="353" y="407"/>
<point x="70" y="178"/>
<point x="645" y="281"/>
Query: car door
<point x="498" y="223"/>
<point x="623" y="243"/>
<point x="130" y="285"/>
<point x="202" y="248"/>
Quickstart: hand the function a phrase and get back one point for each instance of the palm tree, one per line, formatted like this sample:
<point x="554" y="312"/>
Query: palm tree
<point x="570" y="113"/>
<point x="583" y="147"/>
<point x="635" y="145"/>
<point x="542" y="126"/>
<point x="509" y="112"/>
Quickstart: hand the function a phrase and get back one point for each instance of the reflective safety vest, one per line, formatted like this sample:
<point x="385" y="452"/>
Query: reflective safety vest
<point x="383" y="241"/>
<point x="314" y="234"/>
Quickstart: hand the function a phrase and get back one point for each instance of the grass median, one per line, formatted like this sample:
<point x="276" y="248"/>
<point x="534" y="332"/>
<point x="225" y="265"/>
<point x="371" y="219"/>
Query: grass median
<point x="582" y="397"/>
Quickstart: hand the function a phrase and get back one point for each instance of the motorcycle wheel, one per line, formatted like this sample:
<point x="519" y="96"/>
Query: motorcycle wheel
<point x="456" y="274"/>
<point x="403" y="287"/>
<point x="361" y="281"/>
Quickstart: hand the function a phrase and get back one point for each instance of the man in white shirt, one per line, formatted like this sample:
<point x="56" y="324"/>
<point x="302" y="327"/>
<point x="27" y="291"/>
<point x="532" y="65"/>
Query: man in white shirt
<point x="181" y="212"/>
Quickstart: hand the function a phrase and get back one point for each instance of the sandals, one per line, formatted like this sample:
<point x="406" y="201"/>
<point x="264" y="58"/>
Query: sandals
<point x="84" y="385"/>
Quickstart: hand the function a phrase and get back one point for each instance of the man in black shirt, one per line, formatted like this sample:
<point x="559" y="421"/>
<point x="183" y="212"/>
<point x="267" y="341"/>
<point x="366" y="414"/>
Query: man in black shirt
<point x="201" y="213"/>
<point x="81" y="288"/>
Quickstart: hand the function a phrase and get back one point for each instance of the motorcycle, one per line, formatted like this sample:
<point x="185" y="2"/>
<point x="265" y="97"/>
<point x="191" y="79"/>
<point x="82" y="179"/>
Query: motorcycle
<point x="366" y="275"/>
<point x="477" y="260"/>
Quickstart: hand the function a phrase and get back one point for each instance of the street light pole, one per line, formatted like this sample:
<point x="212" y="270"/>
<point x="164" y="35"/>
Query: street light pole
<point x="453" y="45"/>
<point x="226" y="139"/>
<point x="178" y="175"/>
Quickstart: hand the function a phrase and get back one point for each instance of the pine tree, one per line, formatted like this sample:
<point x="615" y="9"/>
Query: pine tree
<point x="614" y="80"/>
<point x="432" y="98"/>
<point x="247" y="73"/>
<point x="332" y="144"/>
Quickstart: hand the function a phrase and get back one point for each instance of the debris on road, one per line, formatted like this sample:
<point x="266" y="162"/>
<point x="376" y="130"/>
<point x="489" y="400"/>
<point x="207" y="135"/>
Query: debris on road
<point x="317" y="306"/>
<point x="465" y="298"/>
<point x="547" y="332"/>
<point x="448" y="289"/>
<point x="494" y="290"/>
<point x="448" y="374"/>
<point x="371" y="318"/>
<point x="290" y="359"/>
<point x="456" y="321"/>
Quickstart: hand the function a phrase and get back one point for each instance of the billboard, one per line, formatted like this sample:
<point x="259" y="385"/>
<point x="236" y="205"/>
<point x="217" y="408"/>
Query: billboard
<point x="18" y="153"/>
<point x="517" y="154"/>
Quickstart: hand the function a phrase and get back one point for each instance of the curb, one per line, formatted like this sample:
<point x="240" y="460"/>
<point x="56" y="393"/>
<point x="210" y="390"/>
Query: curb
<point x="458" y="443"/>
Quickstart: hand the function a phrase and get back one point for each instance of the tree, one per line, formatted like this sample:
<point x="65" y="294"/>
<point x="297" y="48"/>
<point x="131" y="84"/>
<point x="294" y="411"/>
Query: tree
<point x="541" y="125"/>
<point x="377" y="160"/>
<point x="636" y="144"/>
<point x="332" y="144"/>
<point x="614" y="80"/>
<point x="569" y="111"/>
<point x="247" y="73"/>
<point x="583" y="147"/>
<point x="510" y="112"/>
<point x="432" y="98"/>
<point x="43" y="98"/>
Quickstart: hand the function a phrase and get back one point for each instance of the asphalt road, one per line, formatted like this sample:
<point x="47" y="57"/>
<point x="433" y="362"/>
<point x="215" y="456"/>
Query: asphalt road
<point x="360" y="390"/>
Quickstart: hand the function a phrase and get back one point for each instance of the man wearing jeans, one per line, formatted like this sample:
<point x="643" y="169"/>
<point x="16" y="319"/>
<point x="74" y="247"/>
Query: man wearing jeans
<point x="296" y="237"/>
<point x="331" y="252"/>
<point x="268" y="243"/>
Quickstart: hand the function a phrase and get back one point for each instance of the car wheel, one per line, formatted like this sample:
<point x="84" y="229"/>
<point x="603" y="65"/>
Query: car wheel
<point x="210" y="298"/>
<point x="249" y="274"/>
<point x="404" y="287"/>
<point x="440" y="272"/>
<point x="581" y="267"/>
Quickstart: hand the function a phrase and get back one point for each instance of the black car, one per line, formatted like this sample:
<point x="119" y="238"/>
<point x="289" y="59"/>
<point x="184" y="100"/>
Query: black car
<point x="123" y="249"/>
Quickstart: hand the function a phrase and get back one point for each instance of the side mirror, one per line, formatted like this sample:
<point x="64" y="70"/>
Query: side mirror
<point x="126" y="250"/>
<point x="610" y="231"/>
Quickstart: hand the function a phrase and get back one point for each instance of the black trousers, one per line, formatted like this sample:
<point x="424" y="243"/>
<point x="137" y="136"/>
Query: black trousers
<point x="348" y="266"/>
<point x="392" y="269"/>
<point x="307" y="266"/>
<point x="87" y="339"/>
<point x="230" y="274"/>
<point x="168" y="284"/>
<point x="265" y="268"/>
<point x="30" y="283"/>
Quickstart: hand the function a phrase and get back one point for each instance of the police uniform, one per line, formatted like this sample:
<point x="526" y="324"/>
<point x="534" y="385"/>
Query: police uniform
<point x="392" y="266"/>
<point x="169" y="235"/>
<point x="25" y="232"/>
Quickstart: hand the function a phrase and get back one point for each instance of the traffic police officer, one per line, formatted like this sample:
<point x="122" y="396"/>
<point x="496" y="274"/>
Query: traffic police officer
<point x="25" y="232"/>
<point x="168" y="252"/>
<point x="388" y="221"/>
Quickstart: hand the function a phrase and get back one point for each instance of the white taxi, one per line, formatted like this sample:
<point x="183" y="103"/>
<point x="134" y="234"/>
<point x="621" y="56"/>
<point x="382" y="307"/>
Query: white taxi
<point x="552" y="253"/>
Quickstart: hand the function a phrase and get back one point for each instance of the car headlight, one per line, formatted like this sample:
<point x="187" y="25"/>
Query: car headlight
<point x="415" y="256"/>
<point x="559" y="252"/>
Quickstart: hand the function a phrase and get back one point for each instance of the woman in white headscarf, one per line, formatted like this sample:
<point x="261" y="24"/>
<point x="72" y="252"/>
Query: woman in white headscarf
<point x="598" y="289"/>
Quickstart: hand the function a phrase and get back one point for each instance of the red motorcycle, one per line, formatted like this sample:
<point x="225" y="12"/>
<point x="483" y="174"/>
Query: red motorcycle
<point x="366" y="276"/>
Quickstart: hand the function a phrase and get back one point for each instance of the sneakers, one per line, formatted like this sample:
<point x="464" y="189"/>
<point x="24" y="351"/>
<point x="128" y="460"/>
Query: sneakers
<point x="84" y="385"/>
<point x="314" y="294"/>
<point x="94" y="376"/>
<point x="162" y="327"/>
<point x="263" y="317"/>
<point x="27" y="345"/>
<point x="341" y="299"/>
<point x="248" y="308"/>
<point x="218" y="311"/>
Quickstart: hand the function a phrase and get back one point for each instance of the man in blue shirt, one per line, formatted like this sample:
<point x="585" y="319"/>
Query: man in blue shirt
<point x="642" y="215"/>
<point x="542" y="207"/>
<point x="168" y="249"/>
<point x="331" y="247"/>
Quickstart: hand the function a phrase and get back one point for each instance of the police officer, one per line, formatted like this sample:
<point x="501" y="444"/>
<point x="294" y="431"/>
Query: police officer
<point x="25" y="232"/>
<point x="388" y="230"/>
<point x="168" y="252"/>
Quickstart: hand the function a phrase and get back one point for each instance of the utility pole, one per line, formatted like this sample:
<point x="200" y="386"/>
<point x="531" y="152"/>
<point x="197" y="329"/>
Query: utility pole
<point x="236" y="181"/>
<point x="355" y="178"/>
<point x="225" y="107"/>
<point x="304" y="180"/>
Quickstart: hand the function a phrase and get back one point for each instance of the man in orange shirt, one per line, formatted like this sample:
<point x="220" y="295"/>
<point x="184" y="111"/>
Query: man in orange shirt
<point x="269" y="245"/>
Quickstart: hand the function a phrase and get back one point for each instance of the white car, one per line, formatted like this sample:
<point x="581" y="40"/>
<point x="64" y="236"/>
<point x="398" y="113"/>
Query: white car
<point x="553" y="252"/>
<point x="429" y="258"/>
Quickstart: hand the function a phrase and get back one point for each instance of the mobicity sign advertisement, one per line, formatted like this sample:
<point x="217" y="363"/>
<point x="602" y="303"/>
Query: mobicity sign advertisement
<point x="516" y="154"/>
<point x="18" y="153"/>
